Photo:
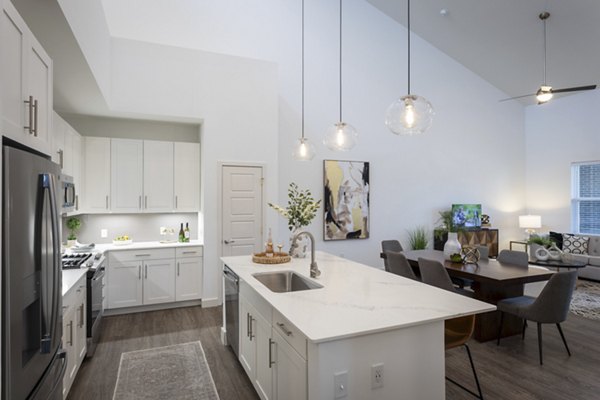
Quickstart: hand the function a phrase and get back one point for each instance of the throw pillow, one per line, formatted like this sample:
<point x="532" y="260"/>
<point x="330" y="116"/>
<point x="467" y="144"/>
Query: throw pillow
<point x="575" y="244"/>
<point x="556" y="238"/>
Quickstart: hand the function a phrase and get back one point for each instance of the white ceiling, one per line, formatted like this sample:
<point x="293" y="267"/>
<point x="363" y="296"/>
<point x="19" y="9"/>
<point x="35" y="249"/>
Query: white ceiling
<point x="502" y="40"/>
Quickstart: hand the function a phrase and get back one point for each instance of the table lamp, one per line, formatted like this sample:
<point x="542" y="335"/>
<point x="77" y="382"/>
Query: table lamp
<point x="530" y="223"/>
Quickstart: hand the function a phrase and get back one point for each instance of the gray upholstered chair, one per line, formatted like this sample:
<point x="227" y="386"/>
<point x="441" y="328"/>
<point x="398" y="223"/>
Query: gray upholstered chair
<point x="387" y="246"/>
<point x="519" y="258"/>
<point x="550" y="307"/>
<point x="457" y="331"/>
<point x="484" y="252"/>
<point x="398" y="264"/>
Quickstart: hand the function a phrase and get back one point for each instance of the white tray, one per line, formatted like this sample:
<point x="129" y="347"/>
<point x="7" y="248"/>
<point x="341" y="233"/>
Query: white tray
<point x="122" y="242"/>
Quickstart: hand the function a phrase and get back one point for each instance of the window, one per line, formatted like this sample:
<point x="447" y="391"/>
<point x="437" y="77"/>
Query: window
<point x="585" y="197"/>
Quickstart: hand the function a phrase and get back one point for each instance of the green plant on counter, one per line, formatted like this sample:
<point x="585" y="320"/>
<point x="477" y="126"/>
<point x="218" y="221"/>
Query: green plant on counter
<point x="73" y="224"/>
<point x="417" y="238"/>
<point x="542" y="240"/>
<point x="301" y="209"/>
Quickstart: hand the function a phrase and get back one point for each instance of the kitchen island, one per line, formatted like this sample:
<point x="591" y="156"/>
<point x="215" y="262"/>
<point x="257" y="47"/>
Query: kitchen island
<point x="331" y="341"/>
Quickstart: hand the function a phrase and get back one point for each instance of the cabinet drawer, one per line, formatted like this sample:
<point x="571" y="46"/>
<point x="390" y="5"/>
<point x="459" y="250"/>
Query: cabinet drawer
<point x="290" y="333"/>
<point x="184" y="252"/>
<point x="140" y="255"/>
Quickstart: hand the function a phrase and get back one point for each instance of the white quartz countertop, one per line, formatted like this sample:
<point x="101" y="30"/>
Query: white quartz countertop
<point x="355" y="299"/>
<point x="70" y="278"/>
<point x="145" y="245"/>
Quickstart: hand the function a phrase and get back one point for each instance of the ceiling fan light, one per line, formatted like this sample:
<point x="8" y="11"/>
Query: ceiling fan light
<point x="409" y="115"/>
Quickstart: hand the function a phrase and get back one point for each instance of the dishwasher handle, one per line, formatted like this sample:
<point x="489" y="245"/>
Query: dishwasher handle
<point x="230" y="276"/>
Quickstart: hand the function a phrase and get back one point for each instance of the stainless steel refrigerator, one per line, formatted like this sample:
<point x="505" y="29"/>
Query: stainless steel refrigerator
<point x="33" y="363"/>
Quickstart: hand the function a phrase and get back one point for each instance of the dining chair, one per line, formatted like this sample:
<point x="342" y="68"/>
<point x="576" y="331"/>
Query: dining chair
<point x="550" y="307"/>
<point x="484" y="252"/>
<point x="387" y="246"/>
<point x="398" y="264"/>
<point x="521" y="259"/>
<point x="457" y="331"/>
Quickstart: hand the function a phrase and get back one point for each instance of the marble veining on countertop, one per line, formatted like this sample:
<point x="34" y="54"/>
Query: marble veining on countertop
<point x="355" y="299"/>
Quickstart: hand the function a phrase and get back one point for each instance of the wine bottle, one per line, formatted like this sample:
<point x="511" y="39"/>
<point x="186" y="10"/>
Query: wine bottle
<point x="181" y="234"/>
<point x="269" y="250"/>
<point x="186" y="233"/>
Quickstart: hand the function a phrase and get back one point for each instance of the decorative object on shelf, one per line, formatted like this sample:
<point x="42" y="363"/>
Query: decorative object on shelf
<point x="346" y="191"/>
<point x="417" y="238"/>
<point x="73" y="224"/>
<point x="304" y="150"/>
<point x="410" y="114"/>
<point x="452" y="246"/>
<point x="485" y="221"/>
<point x="168" y="234"/>
<point x="300" y="211"/>
<point x="470" y="255"/>
<point x="542" y="253"/>
<point x="275" y="258"/>
<point x="554" y="252"/>
<point x="341" y="136"/>
<point x="530" y="223"/>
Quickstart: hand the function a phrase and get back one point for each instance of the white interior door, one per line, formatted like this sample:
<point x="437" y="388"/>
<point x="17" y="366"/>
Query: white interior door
<point x="242" y="210"/>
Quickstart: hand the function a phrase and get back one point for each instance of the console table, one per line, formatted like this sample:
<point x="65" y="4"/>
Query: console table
<point x="472" y="237"/>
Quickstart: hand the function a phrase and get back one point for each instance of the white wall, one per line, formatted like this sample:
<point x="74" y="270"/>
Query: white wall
<point x="475" y="151"/>
<point x="559" y="133"/>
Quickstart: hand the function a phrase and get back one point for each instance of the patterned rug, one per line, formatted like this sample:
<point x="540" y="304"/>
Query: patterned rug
<point x="586" y="300"/>
<point x="171" y="372"/>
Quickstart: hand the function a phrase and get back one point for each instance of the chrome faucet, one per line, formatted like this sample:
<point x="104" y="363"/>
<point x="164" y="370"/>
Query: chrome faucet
<point x="314" y="269"/>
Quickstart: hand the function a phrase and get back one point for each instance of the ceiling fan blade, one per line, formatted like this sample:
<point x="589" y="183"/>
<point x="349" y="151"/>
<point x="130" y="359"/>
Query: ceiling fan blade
<point x="517" y="97"/>
<point x="574" y="89"/>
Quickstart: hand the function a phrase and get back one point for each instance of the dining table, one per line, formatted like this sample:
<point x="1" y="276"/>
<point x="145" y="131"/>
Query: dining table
<point x="492" y="281"/>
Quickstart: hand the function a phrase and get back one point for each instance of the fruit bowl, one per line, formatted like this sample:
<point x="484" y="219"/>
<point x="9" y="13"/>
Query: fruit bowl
<point x="122" y="240"/>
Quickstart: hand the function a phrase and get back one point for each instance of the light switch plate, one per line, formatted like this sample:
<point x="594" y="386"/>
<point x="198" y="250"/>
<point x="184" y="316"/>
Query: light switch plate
<point x="340" y="384"/>
<point x="103" y="233"/>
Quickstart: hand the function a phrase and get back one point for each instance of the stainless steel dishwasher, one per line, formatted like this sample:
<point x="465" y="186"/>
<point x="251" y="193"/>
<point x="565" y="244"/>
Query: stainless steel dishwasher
<point x="232" y="314"/>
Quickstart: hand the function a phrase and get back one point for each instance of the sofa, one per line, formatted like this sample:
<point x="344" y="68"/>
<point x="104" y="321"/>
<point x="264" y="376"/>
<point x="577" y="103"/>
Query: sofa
<point x="584" y="248"/>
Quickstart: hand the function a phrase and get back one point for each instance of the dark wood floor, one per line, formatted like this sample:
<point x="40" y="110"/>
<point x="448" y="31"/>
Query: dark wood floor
<point x="509" y="372"/>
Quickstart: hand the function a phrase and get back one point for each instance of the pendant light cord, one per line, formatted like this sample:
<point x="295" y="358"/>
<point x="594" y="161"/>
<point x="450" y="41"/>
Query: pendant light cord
<point x="341" y="14"/>
<point x="544" y="52"/>
<point x="408" y="27"/>
<point x="302" y="84"/>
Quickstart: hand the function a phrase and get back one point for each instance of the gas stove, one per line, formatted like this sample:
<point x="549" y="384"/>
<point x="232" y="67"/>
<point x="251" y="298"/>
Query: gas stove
<point x="75" y="260"/>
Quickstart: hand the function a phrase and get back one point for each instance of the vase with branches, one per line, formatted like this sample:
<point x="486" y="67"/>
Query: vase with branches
<point x="300" y="211"/>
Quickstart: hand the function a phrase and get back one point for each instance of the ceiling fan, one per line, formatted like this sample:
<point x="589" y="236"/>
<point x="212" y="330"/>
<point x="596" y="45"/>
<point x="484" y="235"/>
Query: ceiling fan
<point x="545" y="92"/>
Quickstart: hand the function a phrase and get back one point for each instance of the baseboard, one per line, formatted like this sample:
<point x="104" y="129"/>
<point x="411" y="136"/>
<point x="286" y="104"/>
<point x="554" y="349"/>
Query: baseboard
<point x="212" y="302"/>
<point x="224" y="336"/>
<point x="153" y="307"/>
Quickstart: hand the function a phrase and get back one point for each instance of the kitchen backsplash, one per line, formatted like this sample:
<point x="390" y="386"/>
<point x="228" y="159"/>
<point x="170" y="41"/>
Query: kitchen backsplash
<point x="139" y="227"/>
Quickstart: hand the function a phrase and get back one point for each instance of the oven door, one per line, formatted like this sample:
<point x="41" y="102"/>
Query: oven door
<point x="95" y="308"/>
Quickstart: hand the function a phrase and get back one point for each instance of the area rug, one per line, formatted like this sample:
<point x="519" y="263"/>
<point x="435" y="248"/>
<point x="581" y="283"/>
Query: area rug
<point x="172" y="372"/>
<point x="586" y="300"/>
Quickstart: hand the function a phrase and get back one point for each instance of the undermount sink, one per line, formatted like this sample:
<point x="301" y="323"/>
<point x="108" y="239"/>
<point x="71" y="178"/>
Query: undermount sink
<point x="285" y="281"/>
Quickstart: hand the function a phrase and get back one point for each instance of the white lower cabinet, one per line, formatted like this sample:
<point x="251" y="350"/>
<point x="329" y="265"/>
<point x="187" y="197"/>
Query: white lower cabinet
<point x="153" y="276"/>
<point x="74" y="338"/>
<point x="275" y="367"/>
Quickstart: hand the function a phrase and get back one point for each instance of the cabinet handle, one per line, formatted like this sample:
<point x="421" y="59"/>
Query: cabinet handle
<point x="146" y="202"/>
<point x="30" y="105"/>
<point x="70" y="341"/>
<point x="140" y="272"/>
<point x="284" y="329"/>
<point x="76" y="202"/>
<point x="252" y="335"/>
<point x="81" y="316"/>
<point x="35" y="118"/>
<point x="142" y="255"/>
<point x="271" y="343"/>
<point x="189" y="252"/>
<point x="145" y="272"/>
<point x="176" y="202"/>
<point x="177" y="269"/>
<point x="140" y="202"/>
<point x="107" y="202"/>
<point x="247" y="324"/>
<point x="61" y="158"/>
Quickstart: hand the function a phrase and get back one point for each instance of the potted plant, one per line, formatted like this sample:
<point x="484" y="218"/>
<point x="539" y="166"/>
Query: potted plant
<point x="447" y="228"/>
<point x="300" y="211"/>
<point x="536" y="241"/>
<point x="73" y="224"/>
<point x="417" y="238"/>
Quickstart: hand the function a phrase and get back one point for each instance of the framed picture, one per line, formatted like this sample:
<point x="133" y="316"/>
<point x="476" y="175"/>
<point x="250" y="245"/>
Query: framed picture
<point x="346" y="200"/>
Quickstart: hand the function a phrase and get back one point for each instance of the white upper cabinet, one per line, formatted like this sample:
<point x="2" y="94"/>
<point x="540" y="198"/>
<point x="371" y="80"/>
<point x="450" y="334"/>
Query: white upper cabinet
<point x="187" y="177"/>
<point x="58" y="140"/>
<point x="158" y="176"/>
<point x="96" y="190"/>
<point x="26" y="82"/>
<point x="126" y="175"/>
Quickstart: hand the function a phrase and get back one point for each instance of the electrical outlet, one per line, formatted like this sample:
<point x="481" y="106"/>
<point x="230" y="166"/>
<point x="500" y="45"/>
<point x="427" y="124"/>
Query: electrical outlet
<point x="103" y="233"/>
<point x="340" y="384"/>
<point x="376" y="376"/>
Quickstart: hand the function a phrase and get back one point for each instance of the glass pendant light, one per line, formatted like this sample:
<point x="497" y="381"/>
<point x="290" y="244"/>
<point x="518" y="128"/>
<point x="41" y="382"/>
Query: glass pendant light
<point x="303" y="149"/>
<point x="341" y="136"/>
<point x="410" y="114"/>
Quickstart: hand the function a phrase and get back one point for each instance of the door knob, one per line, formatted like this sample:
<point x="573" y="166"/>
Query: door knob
<point x="230" y="241"/>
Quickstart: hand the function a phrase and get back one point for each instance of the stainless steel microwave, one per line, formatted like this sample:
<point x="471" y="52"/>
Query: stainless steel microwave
<point x="68" y="196"/>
